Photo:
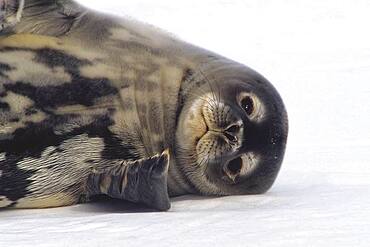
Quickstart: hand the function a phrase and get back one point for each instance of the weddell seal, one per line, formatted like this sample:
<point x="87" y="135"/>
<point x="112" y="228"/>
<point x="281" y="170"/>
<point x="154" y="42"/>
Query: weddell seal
<point x="93" y="104"/>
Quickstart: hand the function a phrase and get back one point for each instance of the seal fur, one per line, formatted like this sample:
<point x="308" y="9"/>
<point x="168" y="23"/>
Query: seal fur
<point x="81" y="92"/>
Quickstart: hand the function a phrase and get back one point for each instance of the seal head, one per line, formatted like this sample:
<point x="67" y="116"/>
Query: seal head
<point x="232" y="131"/>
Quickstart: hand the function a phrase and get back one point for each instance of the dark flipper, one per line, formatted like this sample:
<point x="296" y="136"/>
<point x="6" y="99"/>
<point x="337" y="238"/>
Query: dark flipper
<point x="10" y="12"/>
<point x="142" y="181"/>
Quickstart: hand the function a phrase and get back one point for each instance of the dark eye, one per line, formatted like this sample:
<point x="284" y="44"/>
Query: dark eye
<point x="248" y="105"/>
<point x="235" y="166"/>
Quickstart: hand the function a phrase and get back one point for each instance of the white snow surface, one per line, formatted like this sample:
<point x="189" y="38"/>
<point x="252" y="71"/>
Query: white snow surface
<point x="317" y="54"/>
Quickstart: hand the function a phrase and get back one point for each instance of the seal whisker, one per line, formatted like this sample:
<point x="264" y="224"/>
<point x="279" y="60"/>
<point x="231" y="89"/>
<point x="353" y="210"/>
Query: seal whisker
<point x="214" y="97"/>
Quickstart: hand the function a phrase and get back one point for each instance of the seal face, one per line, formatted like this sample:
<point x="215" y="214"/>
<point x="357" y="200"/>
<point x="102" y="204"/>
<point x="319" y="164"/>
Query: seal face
<point x="232" y="132"/>
<point x="92" y="104"/>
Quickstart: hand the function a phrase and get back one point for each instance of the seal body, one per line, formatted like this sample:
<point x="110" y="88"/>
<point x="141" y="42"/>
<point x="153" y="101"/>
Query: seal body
<point x="81" y="92"/>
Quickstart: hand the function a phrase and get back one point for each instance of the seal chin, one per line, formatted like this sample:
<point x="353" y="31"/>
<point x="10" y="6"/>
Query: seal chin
<point x="193" y="124"/>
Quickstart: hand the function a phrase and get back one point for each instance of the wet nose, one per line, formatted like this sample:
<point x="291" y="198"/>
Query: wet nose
<point x="234" y="133"/>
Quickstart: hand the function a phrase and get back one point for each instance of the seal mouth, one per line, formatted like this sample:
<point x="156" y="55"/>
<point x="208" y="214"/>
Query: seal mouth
<point x="206" y="128"/>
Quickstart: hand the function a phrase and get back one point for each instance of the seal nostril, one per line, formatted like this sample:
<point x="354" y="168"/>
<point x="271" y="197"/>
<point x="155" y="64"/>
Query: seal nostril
<point x="231" y="138"/>
<point x="233" y="129"/>
<point x="231" y="133"/>
<point x="235" y="166"/>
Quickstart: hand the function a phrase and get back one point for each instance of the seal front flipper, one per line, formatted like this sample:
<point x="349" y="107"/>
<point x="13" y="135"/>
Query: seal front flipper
<point x="10" y="12"/>
<point x="142" y="181"/>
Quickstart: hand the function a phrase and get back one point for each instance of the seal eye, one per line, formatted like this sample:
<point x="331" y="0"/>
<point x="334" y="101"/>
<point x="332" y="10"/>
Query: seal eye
<point x="235" y="166"/>
<point x="248" y="105"/>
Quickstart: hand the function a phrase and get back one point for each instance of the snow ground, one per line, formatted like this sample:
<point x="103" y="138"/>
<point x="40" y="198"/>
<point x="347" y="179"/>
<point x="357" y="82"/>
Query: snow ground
<point x="317" y="53"/>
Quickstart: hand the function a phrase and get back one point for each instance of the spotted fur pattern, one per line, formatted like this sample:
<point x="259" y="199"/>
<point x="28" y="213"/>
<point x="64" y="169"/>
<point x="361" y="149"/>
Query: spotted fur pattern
<point x="80" y="92"/>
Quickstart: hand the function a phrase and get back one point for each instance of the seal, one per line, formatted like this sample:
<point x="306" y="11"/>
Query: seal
<point x="94" y="104"/>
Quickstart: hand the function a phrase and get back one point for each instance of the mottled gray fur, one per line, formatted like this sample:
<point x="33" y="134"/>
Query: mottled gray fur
<point x="82" y="91"/>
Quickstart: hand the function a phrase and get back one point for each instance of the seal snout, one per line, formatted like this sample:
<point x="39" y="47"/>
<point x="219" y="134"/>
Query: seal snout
<point x="222" y="121"/>
<point x="234" y="132"/>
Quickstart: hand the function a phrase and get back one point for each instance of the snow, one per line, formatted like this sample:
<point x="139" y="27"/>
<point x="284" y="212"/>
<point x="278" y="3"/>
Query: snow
<point x="317" y="53"/>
